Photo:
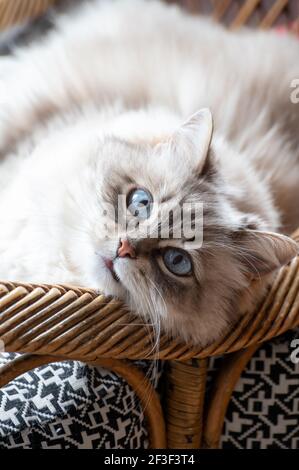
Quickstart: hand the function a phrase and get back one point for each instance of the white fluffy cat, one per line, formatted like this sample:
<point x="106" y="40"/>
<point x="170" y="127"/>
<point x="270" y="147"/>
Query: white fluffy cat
<point x="98" y="108"/>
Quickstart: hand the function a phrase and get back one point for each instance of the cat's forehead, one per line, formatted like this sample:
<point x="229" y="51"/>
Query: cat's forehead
<point x="174" y="190"/>
<point x="148" y="164"/>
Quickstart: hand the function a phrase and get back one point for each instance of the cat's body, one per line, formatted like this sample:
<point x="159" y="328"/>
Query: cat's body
<point x="94" y="109"/>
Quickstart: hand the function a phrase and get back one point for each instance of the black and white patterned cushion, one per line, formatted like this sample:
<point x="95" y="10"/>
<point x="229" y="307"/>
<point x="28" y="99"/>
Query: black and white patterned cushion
<point x="264" y="410"/>
<point x="72" y="405"/>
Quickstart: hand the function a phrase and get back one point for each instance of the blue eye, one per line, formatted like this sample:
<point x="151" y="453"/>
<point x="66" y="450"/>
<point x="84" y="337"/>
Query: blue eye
<point x="139" y="203"/>
<point x="177" y="261"/>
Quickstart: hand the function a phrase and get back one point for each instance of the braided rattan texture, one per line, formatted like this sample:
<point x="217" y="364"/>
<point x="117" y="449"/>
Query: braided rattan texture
<point x="235" y="13"/>
<point x="16" y="11"/>
<point x="185" y="393"/>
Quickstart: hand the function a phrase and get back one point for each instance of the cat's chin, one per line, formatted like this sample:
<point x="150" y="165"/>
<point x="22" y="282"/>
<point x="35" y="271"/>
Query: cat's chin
<point x="113" y="289"/>
<point x="107" y="282"/>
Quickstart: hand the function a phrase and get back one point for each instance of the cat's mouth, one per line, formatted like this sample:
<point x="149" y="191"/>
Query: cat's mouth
<point x="109" y="265"/>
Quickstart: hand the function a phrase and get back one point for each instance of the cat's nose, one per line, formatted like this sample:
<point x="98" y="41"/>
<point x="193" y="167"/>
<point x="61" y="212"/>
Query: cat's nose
<point x="126" y="249"/>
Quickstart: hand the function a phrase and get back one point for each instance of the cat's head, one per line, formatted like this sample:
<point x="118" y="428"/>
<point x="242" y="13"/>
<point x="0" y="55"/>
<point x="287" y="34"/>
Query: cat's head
<point x="191" y="283"/>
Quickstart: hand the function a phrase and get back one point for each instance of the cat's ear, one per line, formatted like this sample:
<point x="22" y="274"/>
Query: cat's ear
<point x="263" y="252"/>
<point x="192" y="140"/>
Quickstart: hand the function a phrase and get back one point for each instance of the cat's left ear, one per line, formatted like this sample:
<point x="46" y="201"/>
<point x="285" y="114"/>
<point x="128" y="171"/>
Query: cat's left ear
<point x="192" y="140"/>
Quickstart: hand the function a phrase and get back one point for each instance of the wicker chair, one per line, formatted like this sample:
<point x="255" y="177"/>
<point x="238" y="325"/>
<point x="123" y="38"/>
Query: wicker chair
<point x="56" y="323"/>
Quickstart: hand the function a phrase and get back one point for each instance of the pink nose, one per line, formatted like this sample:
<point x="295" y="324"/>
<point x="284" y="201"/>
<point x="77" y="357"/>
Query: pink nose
<point x="126" y="249"/>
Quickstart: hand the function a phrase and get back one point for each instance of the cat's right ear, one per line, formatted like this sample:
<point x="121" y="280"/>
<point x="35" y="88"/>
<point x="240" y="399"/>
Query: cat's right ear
<point x="263" y="252"/>
<point x="192" y="140"/>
